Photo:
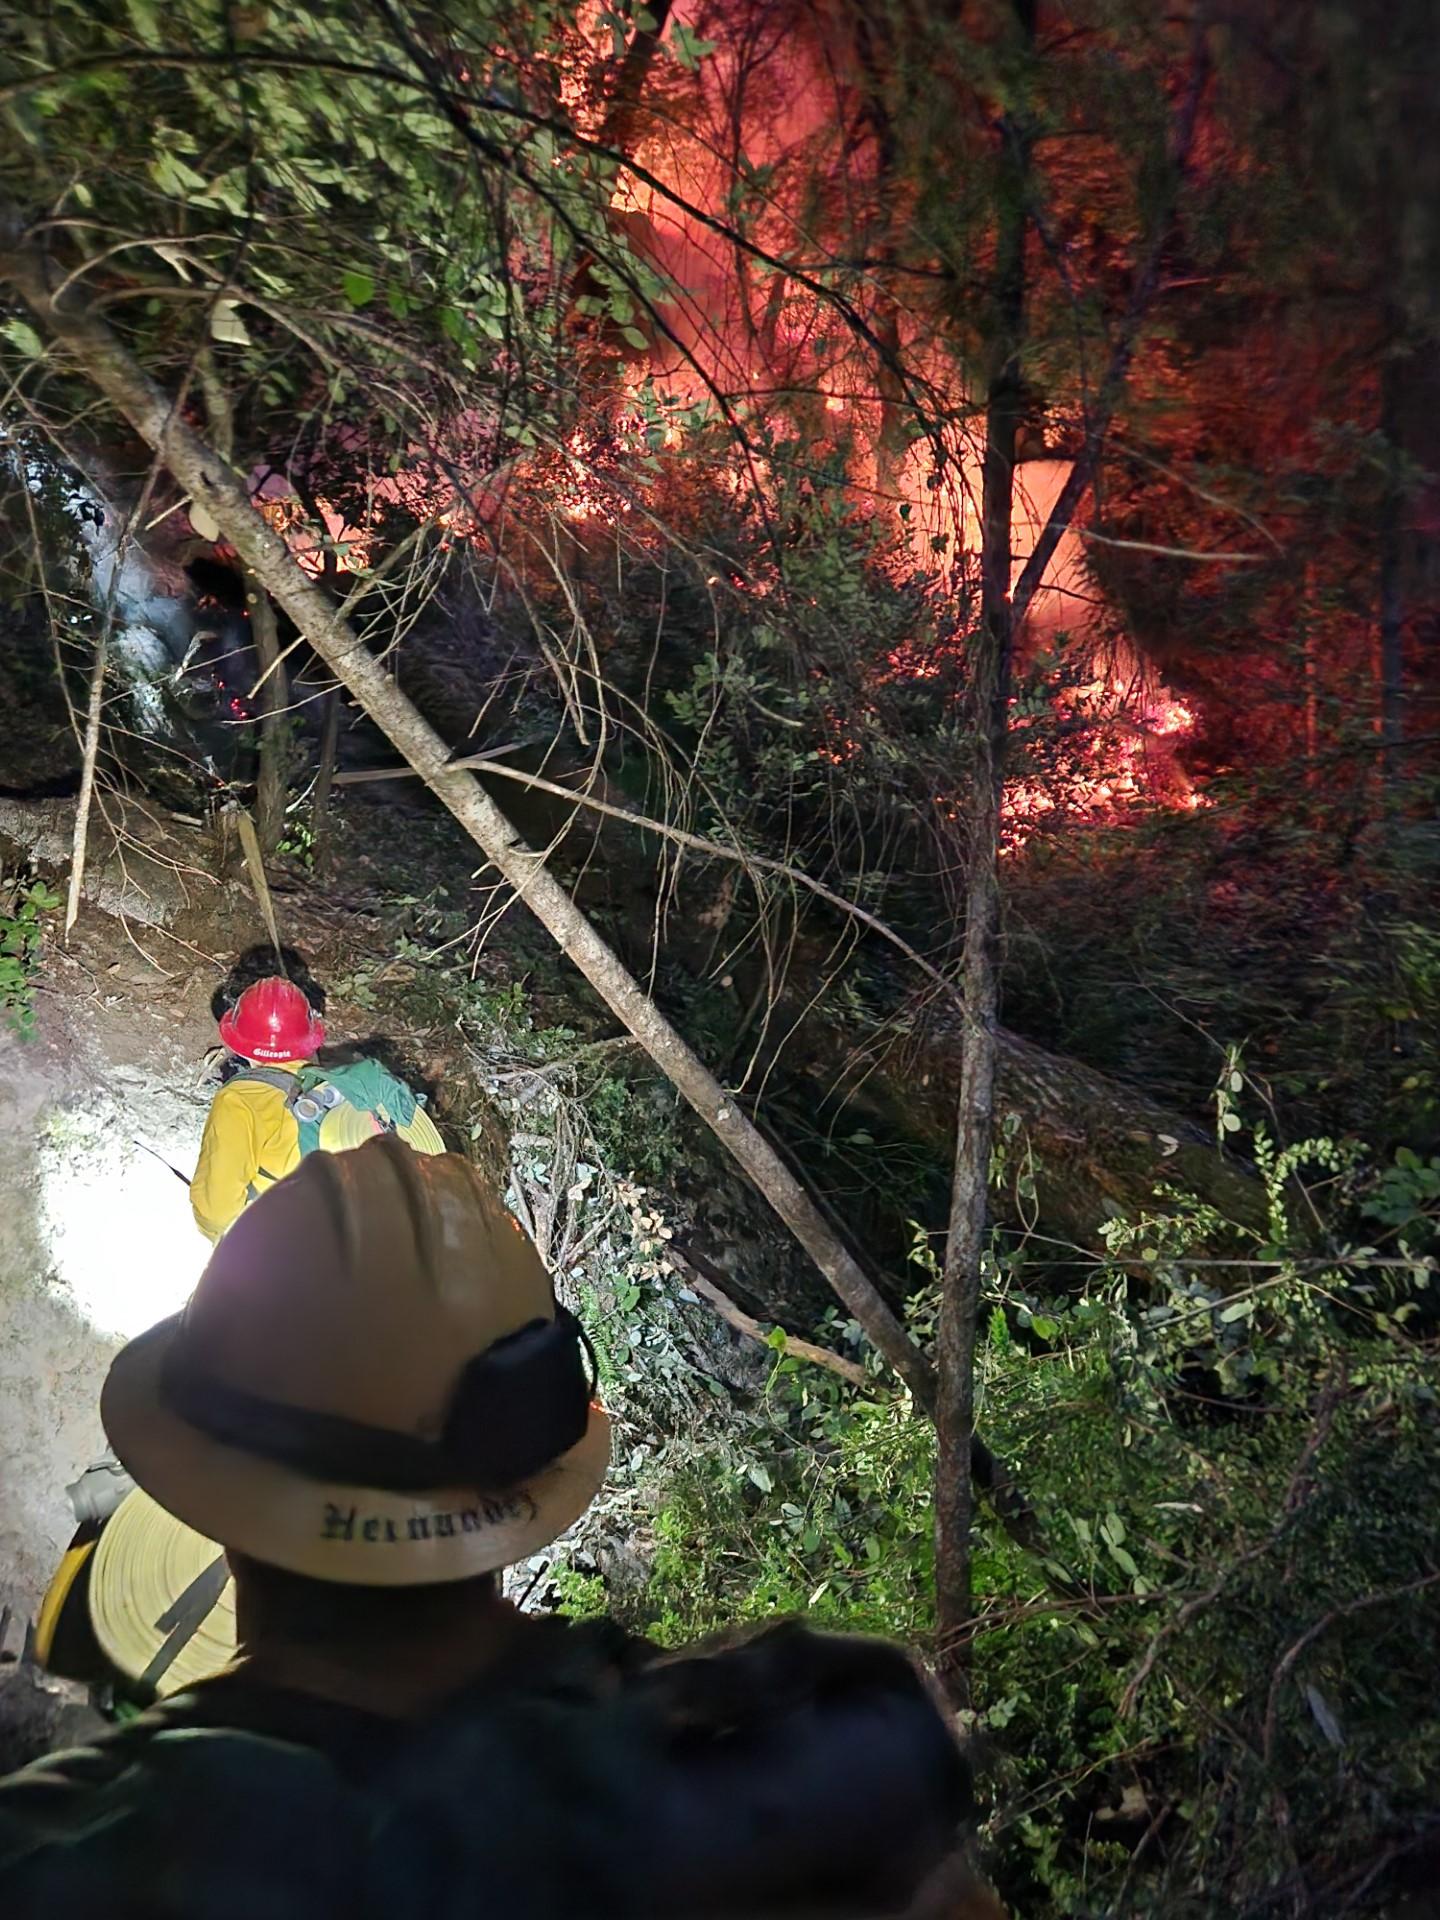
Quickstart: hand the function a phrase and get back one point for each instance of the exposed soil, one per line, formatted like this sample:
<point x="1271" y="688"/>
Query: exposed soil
<point x="94" y="1231"/>
<point x="96" y="1240"/>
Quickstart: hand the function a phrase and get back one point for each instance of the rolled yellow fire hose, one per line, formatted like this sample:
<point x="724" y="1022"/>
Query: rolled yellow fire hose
<point x="162" y="1602"/>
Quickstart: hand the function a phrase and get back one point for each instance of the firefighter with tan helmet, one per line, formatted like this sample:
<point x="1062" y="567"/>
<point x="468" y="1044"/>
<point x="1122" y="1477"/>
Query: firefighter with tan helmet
<point x="372" y="1404"/>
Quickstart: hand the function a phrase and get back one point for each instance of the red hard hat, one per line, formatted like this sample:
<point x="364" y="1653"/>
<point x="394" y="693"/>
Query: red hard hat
<point x="273" y="1021"/>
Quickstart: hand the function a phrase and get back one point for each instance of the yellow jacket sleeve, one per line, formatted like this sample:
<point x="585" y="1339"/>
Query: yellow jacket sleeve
<point x="228" y="1163"/>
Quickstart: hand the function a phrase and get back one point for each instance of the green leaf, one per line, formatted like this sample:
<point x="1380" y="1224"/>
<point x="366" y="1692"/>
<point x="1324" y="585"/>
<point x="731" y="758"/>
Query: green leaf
<point x="687" y="46"/>
<point x="22" y="335"/>
<point x="1237" y="1310"/>
<point x="633" y="337"/>
<point x="145" y="19"/>
<point x="359" y="287"/>
<point x="761" y="1477"/>
<point x="173" y="176"/>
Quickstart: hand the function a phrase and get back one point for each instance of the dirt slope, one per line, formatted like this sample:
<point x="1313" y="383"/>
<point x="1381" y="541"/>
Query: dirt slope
<point x="96" y="1239"/>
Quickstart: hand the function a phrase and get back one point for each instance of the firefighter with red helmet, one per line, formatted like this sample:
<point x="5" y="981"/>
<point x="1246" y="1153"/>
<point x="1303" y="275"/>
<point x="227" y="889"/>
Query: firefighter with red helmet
<point x="278" y="1104"/>
<point x="251" y="1137"/>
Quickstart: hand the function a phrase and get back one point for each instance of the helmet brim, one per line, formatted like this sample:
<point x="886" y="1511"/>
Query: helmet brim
<point x="360" y="1536"/>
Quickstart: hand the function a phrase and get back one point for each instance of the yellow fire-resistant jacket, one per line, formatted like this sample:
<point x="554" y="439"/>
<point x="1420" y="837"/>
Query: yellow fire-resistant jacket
<point x="251" y="1141"/>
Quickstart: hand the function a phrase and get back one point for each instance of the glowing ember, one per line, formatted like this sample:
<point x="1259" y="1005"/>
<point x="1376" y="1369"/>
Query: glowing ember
<point x="1166" y="716"/>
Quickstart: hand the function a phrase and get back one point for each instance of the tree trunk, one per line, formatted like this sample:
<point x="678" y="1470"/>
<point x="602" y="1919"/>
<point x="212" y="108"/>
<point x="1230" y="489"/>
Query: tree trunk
<point x="1311" y="668"/>
<point x="1095" y="1144"/>
<point x="1390" y="663"/>
<point x="990" y="658"/>
<point x="617" y="130"/>
<point x="1001" y="616"/>
<point x="1142" y="294"/>
<point x="875" y="53"/>
<point x="271" y="693"/>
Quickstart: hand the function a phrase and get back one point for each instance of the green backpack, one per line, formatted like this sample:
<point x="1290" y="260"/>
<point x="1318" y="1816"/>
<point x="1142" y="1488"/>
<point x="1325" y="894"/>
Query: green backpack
<point x="338" y="1107"/>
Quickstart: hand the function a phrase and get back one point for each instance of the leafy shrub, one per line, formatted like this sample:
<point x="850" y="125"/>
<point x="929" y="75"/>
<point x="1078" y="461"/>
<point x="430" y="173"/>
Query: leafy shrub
<point x="1196" y="1697"/>
<point x="23" y="907"/>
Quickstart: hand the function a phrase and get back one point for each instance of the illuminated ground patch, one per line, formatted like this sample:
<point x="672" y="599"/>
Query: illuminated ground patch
<point x="116" y="1222"/>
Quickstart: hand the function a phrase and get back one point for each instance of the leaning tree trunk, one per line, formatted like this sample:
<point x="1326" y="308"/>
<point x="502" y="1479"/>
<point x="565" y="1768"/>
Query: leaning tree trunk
<point x="1094" y="1146"/>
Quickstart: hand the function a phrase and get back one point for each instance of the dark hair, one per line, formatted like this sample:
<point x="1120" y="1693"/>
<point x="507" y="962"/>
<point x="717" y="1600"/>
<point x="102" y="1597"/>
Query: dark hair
<point x="310" y="1612"/>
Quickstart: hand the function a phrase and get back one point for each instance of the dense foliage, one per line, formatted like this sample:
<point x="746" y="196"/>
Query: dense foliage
<point x="1195" y="1691"/>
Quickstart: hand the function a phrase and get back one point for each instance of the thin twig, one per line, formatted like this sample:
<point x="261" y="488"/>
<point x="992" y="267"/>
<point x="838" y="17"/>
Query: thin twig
<point x="736" y="1317"/>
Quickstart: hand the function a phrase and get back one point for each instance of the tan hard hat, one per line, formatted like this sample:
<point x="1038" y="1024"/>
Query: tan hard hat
<point x="372" y="1382"/>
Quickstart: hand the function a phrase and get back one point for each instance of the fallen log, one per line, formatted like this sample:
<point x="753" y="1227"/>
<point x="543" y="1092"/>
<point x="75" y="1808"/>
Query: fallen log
<point x="1102" y="1147"/>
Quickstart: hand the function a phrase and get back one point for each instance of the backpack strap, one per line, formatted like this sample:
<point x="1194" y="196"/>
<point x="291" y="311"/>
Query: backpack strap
<point x="277" y="1077"/>
<point x="297" y="1087"/>
<point x="316" y="1095"/>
